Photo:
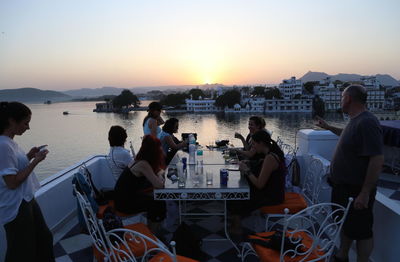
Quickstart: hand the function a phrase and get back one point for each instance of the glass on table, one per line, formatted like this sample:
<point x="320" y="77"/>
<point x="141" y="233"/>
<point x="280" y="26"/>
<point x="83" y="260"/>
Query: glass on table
<point x="209" y="177"/>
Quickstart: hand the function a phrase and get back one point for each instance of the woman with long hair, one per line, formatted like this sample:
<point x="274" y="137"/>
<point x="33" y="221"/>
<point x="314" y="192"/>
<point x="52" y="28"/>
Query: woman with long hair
<point x="28" y="237"/>
<point x="169" y="142"/>
<point x="153" y="120"/>
<point x="133" y="190"/>
<point x="266" y="187"/>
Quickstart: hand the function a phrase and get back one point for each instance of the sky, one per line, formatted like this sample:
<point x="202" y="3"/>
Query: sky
<point x="72" y="44"/>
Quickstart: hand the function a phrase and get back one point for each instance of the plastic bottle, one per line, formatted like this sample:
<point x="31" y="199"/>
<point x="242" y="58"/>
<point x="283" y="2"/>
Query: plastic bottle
<point x="192" y="149"/>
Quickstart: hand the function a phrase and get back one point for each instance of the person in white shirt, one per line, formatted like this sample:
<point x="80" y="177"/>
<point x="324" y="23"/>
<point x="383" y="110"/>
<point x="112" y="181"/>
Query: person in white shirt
<point x="28" y="237"/>
<point x="118" y="157"/>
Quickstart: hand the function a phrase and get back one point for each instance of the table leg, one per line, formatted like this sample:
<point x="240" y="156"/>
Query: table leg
<point x="226" y="230"/>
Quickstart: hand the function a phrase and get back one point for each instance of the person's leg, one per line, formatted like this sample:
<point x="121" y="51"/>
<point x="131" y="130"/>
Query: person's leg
<point x="20" y="234"/>
<point x="345" y="245"/>
<point x="44" y="237"/>
<point x="364" y="249"/>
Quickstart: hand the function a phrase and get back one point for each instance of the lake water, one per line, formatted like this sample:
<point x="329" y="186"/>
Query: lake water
<point x="83" y="133"/>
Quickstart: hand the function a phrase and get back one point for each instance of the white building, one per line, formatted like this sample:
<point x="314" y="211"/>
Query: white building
<point x="332" y="95"/>
<point x="201" y="105"/>
<point x="283" y="105"/>
<point x="290" y="88"/>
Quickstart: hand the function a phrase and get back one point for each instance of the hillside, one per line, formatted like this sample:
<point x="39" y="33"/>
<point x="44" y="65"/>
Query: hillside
<point x="29" y="94"/>
<point x="385" y="79"/>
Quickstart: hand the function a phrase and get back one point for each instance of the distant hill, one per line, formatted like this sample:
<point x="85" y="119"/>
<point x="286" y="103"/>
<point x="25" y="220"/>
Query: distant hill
<point x="29" y="94"/>
<point x="385" y="80"/>
<point x="96" y="92"/>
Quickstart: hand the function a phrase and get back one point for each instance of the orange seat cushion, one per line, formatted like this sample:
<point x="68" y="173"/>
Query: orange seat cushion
<point x="137" y="248"/>
<point x="268" y="255"/>
<point x="294" y="201"/>
<point x="162" y="257"/>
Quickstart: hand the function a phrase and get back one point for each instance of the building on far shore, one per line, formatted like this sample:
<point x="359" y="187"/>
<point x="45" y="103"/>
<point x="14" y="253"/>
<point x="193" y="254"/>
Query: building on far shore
<point x="201" y="105"/>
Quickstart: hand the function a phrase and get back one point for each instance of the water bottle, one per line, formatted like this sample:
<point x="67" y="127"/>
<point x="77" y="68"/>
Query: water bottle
<point x="192" y="149"/>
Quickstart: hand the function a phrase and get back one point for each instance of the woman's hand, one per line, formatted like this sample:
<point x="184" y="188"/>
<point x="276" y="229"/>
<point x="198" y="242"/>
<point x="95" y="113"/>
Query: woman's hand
<point x="32" y="152"/>
<point x="238" y="135"/>
<point x="40" y="156"/>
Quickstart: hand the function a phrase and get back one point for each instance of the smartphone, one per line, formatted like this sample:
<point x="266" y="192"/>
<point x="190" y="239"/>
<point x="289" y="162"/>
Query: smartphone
<point x="43" y="147"/>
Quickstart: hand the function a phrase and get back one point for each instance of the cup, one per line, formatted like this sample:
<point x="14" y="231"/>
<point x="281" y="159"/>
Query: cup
<point x="209" y="177"/>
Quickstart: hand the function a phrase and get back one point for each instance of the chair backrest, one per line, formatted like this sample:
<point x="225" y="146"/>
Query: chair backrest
<point x="96" y="232"/>
<point x="313" y="178"/>
<point x="312" y="233"/>
<point x="123" y="243"/>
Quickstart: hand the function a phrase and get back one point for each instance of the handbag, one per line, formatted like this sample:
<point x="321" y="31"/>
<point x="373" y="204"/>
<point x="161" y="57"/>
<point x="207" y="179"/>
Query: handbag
<point x="274" y="241"/>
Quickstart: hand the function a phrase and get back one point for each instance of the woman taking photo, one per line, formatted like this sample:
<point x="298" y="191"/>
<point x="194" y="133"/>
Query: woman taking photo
<point x="266" y="187"/>
<point x="170" y="144"/>
<point x="256" y="123"/>
<point x="153" y="120"/>
<point x="28" y="237"/>
<point x="134" y="188"/>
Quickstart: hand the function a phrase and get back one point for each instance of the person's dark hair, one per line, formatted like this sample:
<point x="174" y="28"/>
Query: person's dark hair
<point x="12" y="110"/>
<point x="151" y="152"/>
<point x="259" y="121"/>
<point x="169" y="125"/>
<point x="264" y="137"/>
<point x="358" y="93"/>
<point x="153" y="106"/>
<point x="117" y="136"/>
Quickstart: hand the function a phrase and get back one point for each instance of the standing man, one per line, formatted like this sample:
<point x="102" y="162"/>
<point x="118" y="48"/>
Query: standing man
<point x="355" y="169"/>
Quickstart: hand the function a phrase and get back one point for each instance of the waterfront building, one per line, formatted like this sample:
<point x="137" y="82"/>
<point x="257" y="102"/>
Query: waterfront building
<point x="331" y="94"/>
<point x="201" y="105"/>
<point x="289" y="88"/>
<point x="104" y="107"/>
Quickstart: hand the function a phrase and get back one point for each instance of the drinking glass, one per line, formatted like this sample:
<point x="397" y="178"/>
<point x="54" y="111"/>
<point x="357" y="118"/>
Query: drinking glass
<point x="209" y="177"/>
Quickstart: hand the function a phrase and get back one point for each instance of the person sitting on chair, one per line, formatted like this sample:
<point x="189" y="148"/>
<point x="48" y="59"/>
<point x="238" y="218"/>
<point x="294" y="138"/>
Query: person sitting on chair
<point x="134" y="188"/>
<point x="169" y="142"/>
<point x="118" y="157"/>
<point x="266" y="187"/>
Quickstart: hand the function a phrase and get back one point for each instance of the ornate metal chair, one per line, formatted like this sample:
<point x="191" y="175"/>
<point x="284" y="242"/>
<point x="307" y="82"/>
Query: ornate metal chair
<point x="122" y="242"/>
<point x="309" y="194"/>
<point x="309" y="235"/>
<point x="101" y="248"/>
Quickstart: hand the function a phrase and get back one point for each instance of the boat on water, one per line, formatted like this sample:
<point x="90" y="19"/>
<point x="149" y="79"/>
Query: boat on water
<point x="65" y="113"/>
<point x="59" y="205"/>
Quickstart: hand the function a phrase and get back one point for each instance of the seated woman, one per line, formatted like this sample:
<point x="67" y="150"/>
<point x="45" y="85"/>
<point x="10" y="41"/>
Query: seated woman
<point x="266" y="187"/>
<point x="118" y="157"/>
<point x="256" y="123"/>
<point x="170" y="144"/>
<point x="153" y="120"/>
<point x="133" y="190"/>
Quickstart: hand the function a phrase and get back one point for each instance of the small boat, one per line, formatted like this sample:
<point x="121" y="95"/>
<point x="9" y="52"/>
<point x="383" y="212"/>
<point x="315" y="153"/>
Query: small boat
<point x="65" y="113"/>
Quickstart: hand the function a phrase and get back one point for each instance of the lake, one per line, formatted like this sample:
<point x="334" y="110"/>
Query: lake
<point x="83" y="133"/>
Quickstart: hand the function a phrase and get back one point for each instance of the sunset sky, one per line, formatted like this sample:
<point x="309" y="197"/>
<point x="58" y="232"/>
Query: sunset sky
<point x="70" y="44"/>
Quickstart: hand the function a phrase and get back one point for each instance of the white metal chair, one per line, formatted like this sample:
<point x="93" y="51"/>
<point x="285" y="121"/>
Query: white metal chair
<point x="297" y="201"/>
<point x="96" y="232"/>
<point x="122" y="242"/>
<point x="311" y="235"/>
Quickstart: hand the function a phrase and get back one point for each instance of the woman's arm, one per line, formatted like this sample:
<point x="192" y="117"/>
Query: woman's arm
<point x="153" y="127"/>
<point x="249" y="153"/>
<point x="246" y="146"/>
<point x="156" y="180"/>
<point x="160" y="121"/>
<point x="270" y="164"/>
<point x="172" y="144"/>
<point x="14" y="181"/>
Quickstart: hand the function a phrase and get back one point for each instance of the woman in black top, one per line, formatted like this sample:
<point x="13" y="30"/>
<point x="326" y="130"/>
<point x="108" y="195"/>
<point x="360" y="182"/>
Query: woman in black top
<point x="266" y="187"/>
<point x="134" y="188"/>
